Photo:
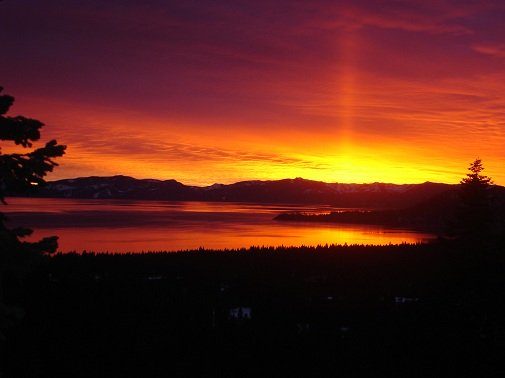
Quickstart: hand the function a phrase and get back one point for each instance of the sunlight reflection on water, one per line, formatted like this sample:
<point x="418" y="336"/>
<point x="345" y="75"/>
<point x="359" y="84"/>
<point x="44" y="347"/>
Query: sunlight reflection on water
<point x="135" y="226"/>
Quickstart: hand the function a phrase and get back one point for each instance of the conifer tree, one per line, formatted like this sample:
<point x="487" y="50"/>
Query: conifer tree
<point x="21" y="172"/>
<point x="474" y="216"/>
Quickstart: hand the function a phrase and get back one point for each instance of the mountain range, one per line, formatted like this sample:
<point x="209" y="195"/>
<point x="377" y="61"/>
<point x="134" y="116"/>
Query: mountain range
<point x="298" y="190"/>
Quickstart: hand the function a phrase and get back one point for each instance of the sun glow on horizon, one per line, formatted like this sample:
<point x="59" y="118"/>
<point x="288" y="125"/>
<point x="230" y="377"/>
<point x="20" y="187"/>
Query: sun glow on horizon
<point x="343" y="168"/>
<point x="173" y="153"/>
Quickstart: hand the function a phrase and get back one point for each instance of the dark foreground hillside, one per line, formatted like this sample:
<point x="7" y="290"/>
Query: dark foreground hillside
<point x="410" y="310"/>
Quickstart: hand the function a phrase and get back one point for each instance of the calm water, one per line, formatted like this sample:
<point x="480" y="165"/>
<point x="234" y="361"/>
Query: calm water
<point x="135" y="226"/>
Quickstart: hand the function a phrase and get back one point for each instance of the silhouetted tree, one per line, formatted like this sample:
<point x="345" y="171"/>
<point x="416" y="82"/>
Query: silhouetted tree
<point x="21" y="172"/>
<point x="474" y="216"/>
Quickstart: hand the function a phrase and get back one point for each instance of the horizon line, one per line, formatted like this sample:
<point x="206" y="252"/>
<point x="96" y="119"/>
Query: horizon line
<point x="255" y="180"/>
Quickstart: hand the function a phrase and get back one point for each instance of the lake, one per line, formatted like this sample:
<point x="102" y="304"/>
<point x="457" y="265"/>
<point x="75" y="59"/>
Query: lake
<point x="136" y="226"/>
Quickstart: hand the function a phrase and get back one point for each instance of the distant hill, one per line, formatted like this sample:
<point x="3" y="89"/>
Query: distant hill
<point x="431" y="214"/>
<point x="376" y="195"/>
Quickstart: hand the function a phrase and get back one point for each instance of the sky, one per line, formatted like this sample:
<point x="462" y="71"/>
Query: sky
<point x="223" y="91"/>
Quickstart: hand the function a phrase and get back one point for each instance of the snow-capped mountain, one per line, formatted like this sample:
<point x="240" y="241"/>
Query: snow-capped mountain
<point x="278" y="191"/>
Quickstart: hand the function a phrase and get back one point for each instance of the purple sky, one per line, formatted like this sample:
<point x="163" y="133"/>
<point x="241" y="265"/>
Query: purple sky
<point x="221" y="91"/>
